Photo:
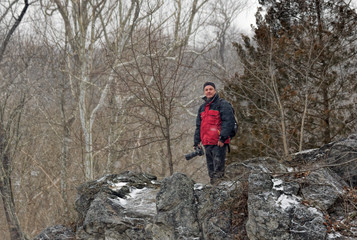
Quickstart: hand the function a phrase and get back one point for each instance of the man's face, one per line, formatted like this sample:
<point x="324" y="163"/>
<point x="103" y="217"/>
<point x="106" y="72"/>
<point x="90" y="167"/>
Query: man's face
<point x="209" y="91"/>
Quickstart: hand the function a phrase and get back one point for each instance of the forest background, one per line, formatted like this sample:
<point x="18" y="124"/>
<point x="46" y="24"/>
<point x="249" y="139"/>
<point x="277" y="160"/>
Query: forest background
<point x="93" y="87"/>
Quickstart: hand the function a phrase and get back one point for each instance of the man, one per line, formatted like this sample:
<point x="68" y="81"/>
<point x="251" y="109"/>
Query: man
<point x="214" y="123"/>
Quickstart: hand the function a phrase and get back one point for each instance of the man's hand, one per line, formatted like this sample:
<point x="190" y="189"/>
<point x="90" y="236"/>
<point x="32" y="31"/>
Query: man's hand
<point x="220" y="144"/>
<point x="196" y="146"/>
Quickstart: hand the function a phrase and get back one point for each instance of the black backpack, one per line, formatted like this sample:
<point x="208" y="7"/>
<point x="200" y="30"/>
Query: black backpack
<point x="235" y="128"/>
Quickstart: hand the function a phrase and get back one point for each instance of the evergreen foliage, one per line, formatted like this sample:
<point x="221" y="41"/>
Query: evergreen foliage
<point x="298" y="88"/>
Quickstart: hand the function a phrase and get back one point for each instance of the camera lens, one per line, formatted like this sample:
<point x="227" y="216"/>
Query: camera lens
<point x="198" y="152"/>
<point x="191" y="155"/>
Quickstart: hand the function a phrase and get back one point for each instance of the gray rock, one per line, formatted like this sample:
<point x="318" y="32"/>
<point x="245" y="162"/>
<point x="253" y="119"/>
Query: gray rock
<point x="176" y="211"/>
<point x="276" y="213"/>
<point x="214" y="209"/>
<point x="241" y="170"/>
<point x="267" y="218"/>
<point x="195" y="211"/>
<point x="58" y="232"/>
<point x="322" y="189"/>
<point x="343" y="158"/>
<point x="117" y="207"/>
<point x="340" y="156"/>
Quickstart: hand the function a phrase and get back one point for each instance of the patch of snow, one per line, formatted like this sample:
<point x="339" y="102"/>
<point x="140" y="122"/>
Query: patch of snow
<point x="334" y="235"/>
<point x="290" y="169"/>
<point x="155" y="182"/>
<point x="277" y="184"/>
<point x="118" y="186"/>
<point x="198" y="186"/>
<point x="287" y="201"/>
<point x="315" y="211"/>
<point x="141" y="201"/>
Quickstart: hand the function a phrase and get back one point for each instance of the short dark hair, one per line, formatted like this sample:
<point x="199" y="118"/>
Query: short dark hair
<point x="209" y="83"/>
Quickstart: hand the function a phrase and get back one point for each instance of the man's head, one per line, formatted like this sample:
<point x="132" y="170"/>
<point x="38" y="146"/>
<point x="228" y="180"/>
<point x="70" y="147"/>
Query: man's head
<point x="209" y="89"/>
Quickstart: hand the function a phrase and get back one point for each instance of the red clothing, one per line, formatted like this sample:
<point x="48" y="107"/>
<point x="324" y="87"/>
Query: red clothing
<point x="210" y="126"/>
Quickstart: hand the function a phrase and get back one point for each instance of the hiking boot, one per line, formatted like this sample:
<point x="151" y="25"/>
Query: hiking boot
<point x="213" y="181"/>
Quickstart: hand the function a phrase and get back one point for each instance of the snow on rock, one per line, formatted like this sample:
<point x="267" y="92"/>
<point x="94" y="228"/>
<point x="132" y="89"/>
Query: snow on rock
<point x="141" y="201"/>
<point x="287" y="202"/>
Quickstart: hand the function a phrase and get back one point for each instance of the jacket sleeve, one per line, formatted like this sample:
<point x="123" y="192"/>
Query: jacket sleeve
<point x="227" y="118"/>
<point x="197" y="136"/>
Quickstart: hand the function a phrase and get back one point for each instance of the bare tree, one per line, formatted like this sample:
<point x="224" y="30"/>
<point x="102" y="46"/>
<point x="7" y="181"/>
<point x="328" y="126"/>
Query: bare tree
<point x="18" y="19"/>
<point x="222" y="21"/>
<point x="87" y="25"/>
<point x="157" y="76"/>
<point x="9" y="138"/>
<point x="10" y="116"/>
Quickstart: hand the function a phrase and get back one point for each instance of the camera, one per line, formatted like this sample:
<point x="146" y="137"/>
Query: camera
<point x="198" y="152"/>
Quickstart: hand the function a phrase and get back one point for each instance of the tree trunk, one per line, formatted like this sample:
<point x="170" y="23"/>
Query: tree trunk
<point x="325" y="84"/>
<point x="326" y="114"/>
<point x="6" y="191"/>
<point x="12" y="30"/>
<point x="302" y="127"/>
<point x="168" y="145"/>
<point x="64" y="154"/>
<point x="9" y="207"/>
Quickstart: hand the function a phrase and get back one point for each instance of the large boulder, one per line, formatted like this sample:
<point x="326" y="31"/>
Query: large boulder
<point x="131" y="206"/>
<point x="295" y="204"/>
<point x="340" y="156"/>
<point x="217" y="210"/>
<point x="277" y="212"/>
<point x="117" y="206"/>
<point x="176" y="210"/>
<point x="194" y="211"/>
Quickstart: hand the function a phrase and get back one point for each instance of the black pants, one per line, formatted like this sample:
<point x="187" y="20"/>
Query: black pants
<point x="216" y="158"/>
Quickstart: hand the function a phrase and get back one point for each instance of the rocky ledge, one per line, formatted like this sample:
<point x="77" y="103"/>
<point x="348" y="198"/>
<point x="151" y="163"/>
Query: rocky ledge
<point x="313" y="196"/>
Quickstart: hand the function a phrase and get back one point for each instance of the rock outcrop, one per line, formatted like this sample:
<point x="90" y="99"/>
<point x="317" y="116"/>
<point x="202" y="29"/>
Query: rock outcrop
<point x="311" y="197"/>
<point x="58" y="232"/>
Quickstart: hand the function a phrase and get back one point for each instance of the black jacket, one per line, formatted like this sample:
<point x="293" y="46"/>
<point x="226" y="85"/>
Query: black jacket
<point x="226" y="115"/>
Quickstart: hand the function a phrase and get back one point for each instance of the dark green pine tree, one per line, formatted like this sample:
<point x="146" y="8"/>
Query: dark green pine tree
<point x="298" y="88"/>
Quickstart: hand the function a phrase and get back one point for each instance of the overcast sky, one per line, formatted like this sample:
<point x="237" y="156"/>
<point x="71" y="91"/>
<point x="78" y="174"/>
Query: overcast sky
<point x="246" y="18"/>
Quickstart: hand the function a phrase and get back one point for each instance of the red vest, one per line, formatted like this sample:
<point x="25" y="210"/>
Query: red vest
<point x="210" y="126"/>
